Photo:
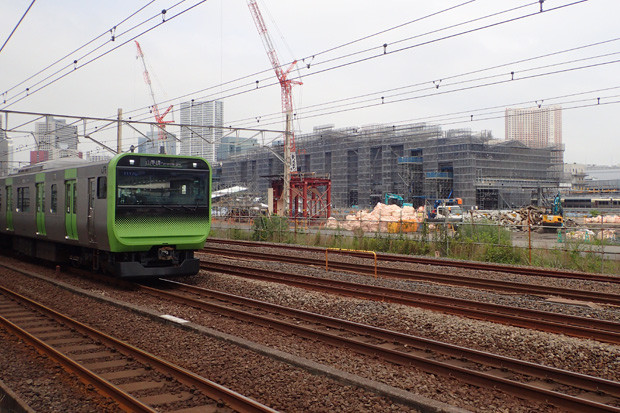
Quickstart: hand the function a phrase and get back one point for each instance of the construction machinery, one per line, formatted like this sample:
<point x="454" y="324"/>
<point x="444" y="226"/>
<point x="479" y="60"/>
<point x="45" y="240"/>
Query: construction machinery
<point x="395" y="199"/>
<point x="159" y="117"/>
<point x="555" y="219"/>
<point x="445" y="210"/>
<point x="286" y="86"/>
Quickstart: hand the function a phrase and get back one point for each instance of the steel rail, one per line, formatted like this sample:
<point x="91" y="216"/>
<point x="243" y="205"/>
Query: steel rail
<point x="544" y="272"/>
<point x="583" y="327"/>
<point x="469" y="376"/>
<point x="210" y="389"/>
<point x="562" y="376"/>
<point x="104" y="387"/>
<point x="436" y="277"/>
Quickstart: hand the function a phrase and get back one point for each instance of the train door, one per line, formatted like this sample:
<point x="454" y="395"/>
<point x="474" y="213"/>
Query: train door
<point x="71" y="209"/>
<point x="40" y="207"/>
<point x="92" y="190"/>
<point x="9" y="208"/>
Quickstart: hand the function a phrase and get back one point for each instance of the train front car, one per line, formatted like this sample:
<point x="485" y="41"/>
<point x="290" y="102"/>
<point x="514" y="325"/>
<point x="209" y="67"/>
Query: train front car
<point x="159" y="213"/>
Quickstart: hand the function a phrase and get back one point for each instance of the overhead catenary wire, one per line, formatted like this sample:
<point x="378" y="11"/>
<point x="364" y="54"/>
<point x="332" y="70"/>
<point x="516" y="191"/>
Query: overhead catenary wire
<point x="77" y="49"/>
<point x="361" y="60"/>
<point x="253" y="75"/>
<point x="78" y="65"/>
<point x="364" y="107"/>
<point x="444" y="78"/>
<point x="384" y="96"/>
<point x="443" y="92"/>
<point x="445" y="89"/>
<point x="481" y="114"/>
<point x="16" y="26"/>
<point x="249" y="87"/>
<point x="550" y="9"/>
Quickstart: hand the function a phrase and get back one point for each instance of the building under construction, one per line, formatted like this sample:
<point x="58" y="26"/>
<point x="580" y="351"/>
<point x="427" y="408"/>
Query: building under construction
<point x="420" y="162"/>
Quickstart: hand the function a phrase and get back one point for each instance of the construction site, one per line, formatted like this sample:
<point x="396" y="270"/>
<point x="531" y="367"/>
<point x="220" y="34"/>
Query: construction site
<point x="418" y="162"/>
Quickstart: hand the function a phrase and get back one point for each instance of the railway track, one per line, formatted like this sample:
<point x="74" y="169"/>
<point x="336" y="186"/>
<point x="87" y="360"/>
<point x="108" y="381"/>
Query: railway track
<point x="564" y="389"/>
<point x="602" y="330"/>
<point x="136" y="380"/>
<point x="542" y="272"/>
<point x="431" y="276"/>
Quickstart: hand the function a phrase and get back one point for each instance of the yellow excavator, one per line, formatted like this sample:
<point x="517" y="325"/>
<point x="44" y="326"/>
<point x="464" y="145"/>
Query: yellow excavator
<point x="555" y="219"/>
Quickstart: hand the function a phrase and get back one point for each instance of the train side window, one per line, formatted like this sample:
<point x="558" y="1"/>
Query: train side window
<point x="54" y="199"/>
<point x="102" y="187"/>
<point x="23" y="199"/>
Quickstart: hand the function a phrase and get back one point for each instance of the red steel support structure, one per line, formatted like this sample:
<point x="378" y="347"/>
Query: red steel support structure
<point x="310" y="197"/>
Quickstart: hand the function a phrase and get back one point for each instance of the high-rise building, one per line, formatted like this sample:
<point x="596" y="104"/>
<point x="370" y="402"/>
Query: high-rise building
<point x="205" y="134"/>
<point x="6" y="153"/>
<point x="153" y="144"/>
<point x="56" y="138"/>
<point x="535" y="127"/>
<point x="233" y="145"/>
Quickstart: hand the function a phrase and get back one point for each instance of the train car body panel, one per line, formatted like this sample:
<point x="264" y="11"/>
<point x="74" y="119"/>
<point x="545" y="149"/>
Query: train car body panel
<point x="158" y="203"/>
<point x="136" y="215"/>
<point x="7" y="215"/>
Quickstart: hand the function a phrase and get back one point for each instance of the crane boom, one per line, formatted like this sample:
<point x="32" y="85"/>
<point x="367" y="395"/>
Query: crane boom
<point x="159" y="118"/>
<point x="286" y="84"/>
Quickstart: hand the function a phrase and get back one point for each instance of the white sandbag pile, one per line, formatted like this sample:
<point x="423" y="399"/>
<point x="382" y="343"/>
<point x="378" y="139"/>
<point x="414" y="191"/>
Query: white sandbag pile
<point x="605" y="219"/>
<point x="580" y="235"/>
<point x="587" y="235"/>
<point x="378" y="219"/>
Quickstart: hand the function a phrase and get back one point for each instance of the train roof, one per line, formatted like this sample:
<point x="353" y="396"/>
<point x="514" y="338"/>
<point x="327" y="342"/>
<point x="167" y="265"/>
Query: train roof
<point x="61" y="163"/>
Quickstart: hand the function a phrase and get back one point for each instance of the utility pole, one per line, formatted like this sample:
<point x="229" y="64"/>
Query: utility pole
<point x="286" y="188"/>
<point x="119" y="132"/>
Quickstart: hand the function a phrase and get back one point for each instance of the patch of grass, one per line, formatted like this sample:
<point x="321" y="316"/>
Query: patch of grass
<point x="470" y="242"/>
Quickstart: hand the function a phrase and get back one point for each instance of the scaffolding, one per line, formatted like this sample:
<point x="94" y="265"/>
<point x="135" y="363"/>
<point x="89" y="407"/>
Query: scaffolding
<point x="420" y="162"/>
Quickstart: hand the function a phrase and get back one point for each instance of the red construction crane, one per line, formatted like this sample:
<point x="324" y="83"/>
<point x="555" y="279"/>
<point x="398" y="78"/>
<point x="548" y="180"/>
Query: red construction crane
<point x="159" y="118"/>
<point x="286" y="84"/>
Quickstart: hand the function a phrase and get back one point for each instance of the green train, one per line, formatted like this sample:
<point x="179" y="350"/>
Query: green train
<point x="136" y="215"/>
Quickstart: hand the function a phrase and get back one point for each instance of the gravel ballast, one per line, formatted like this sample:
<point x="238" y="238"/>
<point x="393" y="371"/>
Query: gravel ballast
<point x="302" y="391"/>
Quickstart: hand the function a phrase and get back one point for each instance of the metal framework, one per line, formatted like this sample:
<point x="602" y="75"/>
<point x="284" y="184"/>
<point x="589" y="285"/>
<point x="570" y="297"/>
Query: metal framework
<point x="286" y="86"/>
<point x="418" y="161"/>
<point x="159" y="118"/>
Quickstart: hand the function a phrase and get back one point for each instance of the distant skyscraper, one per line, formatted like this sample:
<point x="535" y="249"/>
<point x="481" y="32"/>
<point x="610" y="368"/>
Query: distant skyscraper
<point x="232" y="145"/>
<point x="535" y="127"/>
<point x="154" y="145"/>
<point x="56" y="138"/>
<point x="6" y="153"/>
<point x="201" y="140"/>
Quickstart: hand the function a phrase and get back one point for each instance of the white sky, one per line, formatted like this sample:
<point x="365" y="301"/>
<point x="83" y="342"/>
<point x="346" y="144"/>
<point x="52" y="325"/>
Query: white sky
<point x="217" y="42"/>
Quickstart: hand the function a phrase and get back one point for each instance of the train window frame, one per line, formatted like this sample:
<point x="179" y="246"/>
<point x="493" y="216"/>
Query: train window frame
<point x="54" y="199"/>
<point x="23" y="199"/>
<point x="102" y="187"/>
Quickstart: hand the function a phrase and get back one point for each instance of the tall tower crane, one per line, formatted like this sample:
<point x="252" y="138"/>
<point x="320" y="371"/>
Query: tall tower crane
<point x="286" y="86"/>
<point x="159" y="118"/>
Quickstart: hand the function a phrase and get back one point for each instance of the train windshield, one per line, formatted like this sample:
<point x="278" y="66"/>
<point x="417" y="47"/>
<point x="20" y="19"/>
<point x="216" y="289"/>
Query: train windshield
<point x="164" y="188"/>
